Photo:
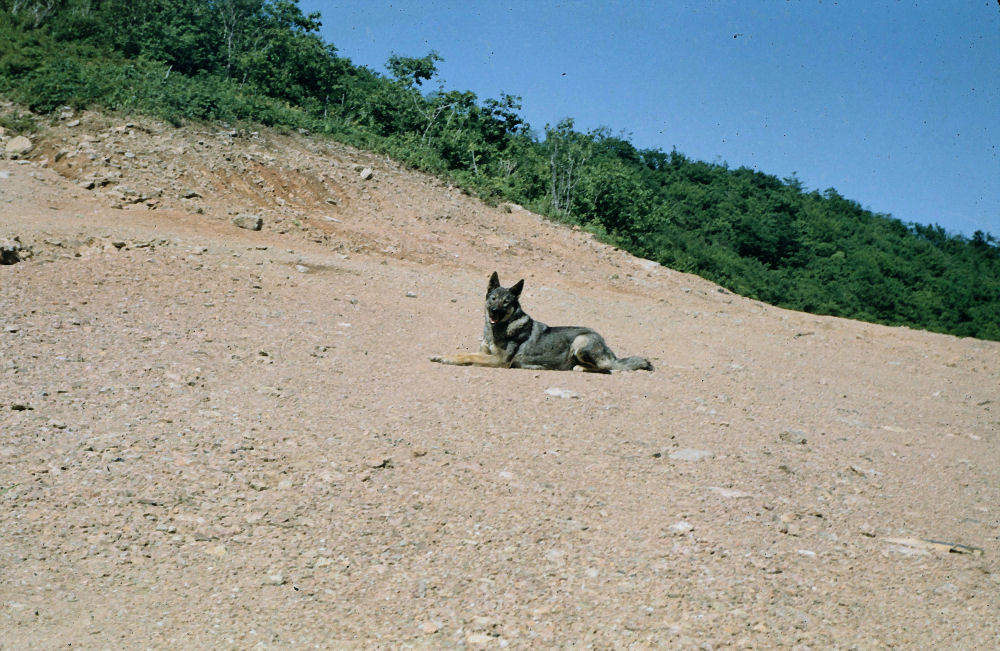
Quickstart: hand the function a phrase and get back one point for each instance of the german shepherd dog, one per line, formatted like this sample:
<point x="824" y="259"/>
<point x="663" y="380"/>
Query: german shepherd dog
<point x="512" y="339"/>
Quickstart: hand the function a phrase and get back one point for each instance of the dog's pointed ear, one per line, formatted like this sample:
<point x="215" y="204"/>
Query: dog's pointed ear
<point x="518" y="286"/>
<point x="494" y="283"/>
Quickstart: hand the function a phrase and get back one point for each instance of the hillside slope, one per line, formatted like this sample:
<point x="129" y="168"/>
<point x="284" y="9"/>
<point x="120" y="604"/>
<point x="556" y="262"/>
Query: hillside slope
<point x="220" y="438"/>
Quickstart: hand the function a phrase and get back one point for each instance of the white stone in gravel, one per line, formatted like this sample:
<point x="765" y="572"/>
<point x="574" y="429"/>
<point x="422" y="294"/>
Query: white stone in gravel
<point x="681" y="527"/>
<point x="690" y="454"/>
<point x="729" y="492"/>
<point x="561" y="393"/>
<point x="479" y="639"/>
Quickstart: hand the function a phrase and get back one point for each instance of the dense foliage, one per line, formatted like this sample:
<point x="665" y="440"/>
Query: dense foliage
<point x="263" y="61"/>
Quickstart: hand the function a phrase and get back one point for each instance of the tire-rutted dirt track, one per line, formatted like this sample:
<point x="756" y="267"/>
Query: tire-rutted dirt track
<point x="218" y="438"/>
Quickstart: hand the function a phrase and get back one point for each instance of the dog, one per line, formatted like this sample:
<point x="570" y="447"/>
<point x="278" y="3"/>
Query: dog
<point x="512" y="339"/>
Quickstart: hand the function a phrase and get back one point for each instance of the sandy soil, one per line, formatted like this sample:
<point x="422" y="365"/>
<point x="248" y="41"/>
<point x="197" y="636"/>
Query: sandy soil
<point x="212" y="437"/>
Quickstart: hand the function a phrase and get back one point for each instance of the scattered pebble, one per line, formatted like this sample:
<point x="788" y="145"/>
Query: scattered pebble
<point x="561" y="393"/>
<point x="691" y="454"/>
<point x="479" y="639"/>
<point x="729" y="492"/>
<point x="793" y="436"/>
<point x="274" y="579"/>
<point x="249" y="222"/>
<point x="682" y="527"/>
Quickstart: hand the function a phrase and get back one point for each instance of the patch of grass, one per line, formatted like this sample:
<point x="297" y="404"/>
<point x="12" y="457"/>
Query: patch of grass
<point x="19" y="122"/>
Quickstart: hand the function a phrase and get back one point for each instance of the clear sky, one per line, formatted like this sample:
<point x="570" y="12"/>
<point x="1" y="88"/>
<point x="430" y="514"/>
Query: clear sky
<point x="895" y="103"/>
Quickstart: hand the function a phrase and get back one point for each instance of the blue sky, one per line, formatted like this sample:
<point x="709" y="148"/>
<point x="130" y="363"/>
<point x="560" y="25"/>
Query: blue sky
<point x="896" y="104"/>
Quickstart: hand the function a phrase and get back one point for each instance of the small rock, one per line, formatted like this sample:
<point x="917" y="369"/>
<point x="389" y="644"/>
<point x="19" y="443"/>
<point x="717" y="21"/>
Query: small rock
<point x="11" y="251"/>
<point x="367" y="174"/>
<point x="681" y="527"/>
<point x="479" y="639"/>
<point x="249" y="222"/>
<point x="690" y="454"/>
<point x="561" y="393"/>
<point x="729" y="492"/>
<point x="863" y="472"/>
<point x="429" y="628"/>
<point x="274" y="579"/>
<point x="301" y="268"/>
<point x="793" y="436"/>
<point x="411" y="294"/>
<point x="18" y="146"/>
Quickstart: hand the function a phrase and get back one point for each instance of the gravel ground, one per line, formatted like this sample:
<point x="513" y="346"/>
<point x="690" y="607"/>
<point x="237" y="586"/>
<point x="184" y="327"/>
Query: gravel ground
<point x="213" y="437"/>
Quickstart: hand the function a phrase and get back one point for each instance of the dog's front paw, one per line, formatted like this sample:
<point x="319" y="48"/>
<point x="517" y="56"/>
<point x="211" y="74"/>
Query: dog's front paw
<point x="439" y="359"/>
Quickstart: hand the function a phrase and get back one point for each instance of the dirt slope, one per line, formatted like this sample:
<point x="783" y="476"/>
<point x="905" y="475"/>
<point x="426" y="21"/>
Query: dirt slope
<point x="218" y="438"/>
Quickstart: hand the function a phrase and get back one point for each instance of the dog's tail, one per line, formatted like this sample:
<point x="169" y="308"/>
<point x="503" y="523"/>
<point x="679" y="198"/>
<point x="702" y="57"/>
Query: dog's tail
<point x="631" y="364"/>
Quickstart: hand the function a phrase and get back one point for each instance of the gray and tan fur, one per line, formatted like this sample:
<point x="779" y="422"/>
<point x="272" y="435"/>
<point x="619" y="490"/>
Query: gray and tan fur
<point x="512" y="339"/>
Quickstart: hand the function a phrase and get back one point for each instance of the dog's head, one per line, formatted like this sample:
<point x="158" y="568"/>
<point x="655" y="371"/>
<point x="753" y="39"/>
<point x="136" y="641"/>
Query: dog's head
<point x="502" y="303"/>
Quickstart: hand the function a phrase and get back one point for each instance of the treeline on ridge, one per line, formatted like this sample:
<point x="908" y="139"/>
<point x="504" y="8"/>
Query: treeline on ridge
<point x="263" y="61"/>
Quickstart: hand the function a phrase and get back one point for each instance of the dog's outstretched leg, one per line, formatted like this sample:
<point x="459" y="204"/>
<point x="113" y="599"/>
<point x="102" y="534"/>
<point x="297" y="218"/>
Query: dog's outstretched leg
<point x="632" y="364"/>
<point x="471" y="359"/>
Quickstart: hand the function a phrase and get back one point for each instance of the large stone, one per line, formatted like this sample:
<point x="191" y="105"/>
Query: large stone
<point x="18" y="146"/>
<point x="249" y="222"/>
